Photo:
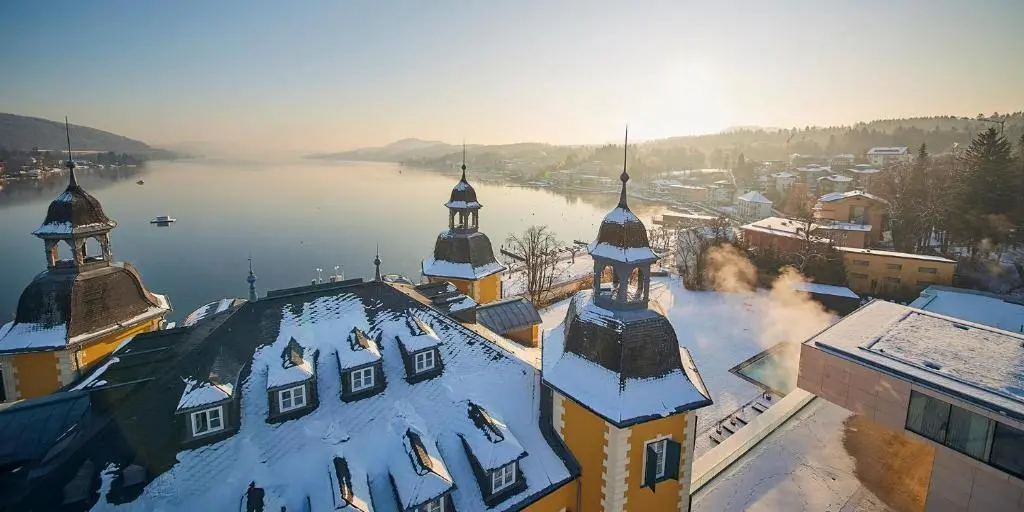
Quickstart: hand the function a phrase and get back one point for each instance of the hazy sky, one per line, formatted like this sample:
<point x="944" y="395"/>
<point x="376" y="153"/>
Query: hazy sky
<point x="343" y="74"/>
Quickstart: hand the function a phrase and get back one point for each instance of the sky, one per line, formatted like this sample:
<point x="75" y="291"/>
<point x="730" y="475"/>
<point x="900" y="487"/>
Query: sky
<point x="334" y="75"/>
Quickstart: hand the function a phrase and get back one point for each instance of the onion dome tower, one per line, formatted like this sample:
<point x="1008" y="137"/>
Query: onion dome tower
<point x="462" y="254"/>
<point x="616" y="375"/>
<point x="251" y="279"/>
<point x="81" y="307"/>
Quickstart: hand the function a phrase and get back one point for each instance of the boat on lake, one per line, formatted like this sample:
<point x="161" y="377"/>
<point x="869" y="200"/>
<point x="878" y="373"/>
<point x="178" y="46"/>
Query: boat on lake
<point x="140" y="182"/>
<point x="163" y="220"/>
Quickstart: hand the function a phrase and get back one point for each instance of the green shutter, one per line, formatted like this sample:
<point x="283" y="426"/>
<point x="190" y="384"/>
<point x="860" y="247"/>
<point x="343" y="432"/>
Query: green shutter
<point x="650" y="468"/>
<point x="672" y="459"/>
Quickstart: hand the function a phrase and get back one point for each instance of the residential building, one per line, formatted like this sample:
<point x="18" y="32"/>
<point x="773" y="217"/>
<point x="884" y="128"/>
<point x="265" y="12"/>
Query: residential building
<point x="663" y="186"/>
<point x="811" y="173"/>
<point x="784" y="180"/>
<point x="722" y="192"/>
<point x="80" y="308"/>
<point x="691" y="193"/>
<point x="834" y="183"/>
<point x="882" y="157"/>
<point x="462" y="254"/>
<point x="894" y="274"/>
<point x="842" y="161"/>
<point x="948" y="383"/>
<point x="788" y="235"/>
<point x="863" y="176"/>
<point x="856" y="207"/>
<point x="754" y="206"/>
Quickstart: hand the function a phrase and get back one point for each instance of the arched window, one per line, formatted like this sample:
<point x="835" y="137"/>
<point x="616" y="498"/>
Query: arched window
<point x="93" y="249"/>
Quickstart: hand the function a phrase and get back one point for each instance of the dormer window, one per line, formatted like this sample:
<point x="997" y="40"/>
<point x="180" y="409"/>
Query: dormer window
<point x="362" y="379"/>
<point x="503" y="477"/>
<point x="433" y="506"/>
<point x="424" y="361"/>
<point x="208" y="421"/>
<point x="291" y="398"/>
<point x="361" y="365"/>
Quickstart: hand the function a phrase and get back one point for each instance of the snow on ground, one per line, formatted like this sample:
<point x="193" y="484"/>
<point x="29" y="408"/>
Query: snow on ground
<point x="802" y="466"/>
<point x="513" y="282"/>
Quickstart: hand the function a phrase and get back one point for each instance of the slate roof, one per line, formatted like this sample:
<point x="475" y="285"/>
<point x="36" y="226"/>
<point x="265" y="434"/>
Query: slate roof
<point x="463" y="195"/>
<point x="462" y="255"/>
<point x="86" y="303"/>
<point x="508" y="315"/>
<point x="289" y="459"/>
<point x="622" y="237"/>
<point x="74" y="212"/>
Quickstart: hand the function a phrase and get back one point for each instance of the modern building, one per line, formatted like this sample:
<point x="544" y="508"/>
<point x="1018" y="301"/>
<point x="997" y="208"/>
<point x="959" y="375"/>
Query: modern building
<point x="784" y="180"/>
<point x="854" y="207"/>
<point x="842" y="161"/>
<point x="462" y="254"/>
<point x="946" y="382"/>
<point x="892" y="274"/>
<point x="863" y="176"/>
<point x="618" y="390"/>
<point x="881" y="157"/>
<point x="754" y="206"/>
<point x="78" y="310"/>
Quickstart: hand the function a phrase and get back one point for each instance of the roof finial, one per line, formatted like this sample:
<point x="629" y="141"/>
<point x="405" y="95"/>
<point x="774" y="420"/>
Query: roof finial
<point x="71" y="160"/>
<point x="624" y="176"/>
<point x="463" y="159"/>
<point x="252" y="282"/>
<point x="376" y="263"/>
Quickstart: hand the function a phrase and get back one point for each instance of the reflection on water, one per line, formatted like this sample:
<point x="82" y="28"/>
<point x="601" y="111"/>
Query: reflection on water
<point x="293" y="217"/>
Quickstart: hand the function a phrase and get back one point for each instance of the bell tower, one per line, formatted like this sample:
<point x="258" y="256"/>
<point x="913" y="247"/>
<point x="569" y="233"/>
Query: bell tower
<point x="618" y="388"/>
<point x="462" y="254"/>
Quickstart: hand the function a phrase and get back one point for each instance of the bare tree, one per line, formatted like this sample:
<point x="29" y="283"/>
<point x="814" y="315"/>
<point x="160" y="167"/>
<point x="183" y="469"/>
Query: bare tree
<point x="574" y="249"/>
<point x="538" y="250"/>
<point x="691" y="250"/>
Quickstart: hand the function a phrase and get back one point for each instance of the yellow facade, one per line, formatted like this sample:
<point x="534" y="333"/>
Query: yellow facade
<point x="527" y="336"/>
<point x="40" y="373"/>
<point x="612" y="459"/>
<point x="857" y="209"/>
<point x="487" y="289"/>
<point x="562" y="499"/>
<point x="893" y="274"/>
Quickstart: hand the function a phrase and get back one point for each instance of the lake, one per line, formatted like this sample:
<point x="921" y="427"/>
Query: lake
<point x="291" y="216"/>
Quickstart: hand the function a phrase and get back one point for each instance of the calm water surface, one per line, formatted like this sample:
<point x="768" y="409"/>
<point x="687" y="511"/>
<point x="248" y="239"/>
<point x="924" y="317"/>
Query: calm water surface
<point x="291" y="216"/>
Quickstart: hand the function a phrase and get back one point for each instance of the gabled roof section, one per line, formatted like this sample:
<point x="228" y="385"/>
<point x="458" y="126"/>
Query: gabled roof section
<point x="508" y="315"/>
<point x="421" y="336"/>
<point x="754" y="197"/>
<point x="900" y="150"/>
<point x="491" y="443"/>
<point x="361" y="350"/>
<point x="837" y="196"/>
<point x="418" y="472"/>
<point x="351" y="488"/>
<point x="295" y="366"/>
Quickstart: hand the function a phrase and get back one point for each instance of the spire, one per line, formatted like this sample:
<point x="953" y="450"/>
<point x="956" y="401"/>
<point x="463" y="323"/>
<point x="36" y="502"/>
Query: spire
<point x="252" y="282"/>
<point x="624" y="176"/>
<point x="71" y="160"/>
<point x="463" y="160"/>
<point x="376" y="263"/>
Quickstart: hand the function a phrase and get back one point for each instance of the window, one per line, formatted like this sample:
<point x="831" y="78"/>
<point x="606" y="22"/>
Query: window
<point x="292" y="398"/>
<point x="658" y="448"/>
<point x="1008" y="450"/>
<point x="894" y="266"/>
<point x="968" y="432"/>
<point x="927" y="270"/>
<point x="861" y="263"/>
<point x="424" y="361"/>
<point x="208" y="421"/>
<point x="858" y="276"/>
<point x="433" y="506"/>
<point x="892" y="280"/>
<point x="362" y="379"/>
<point x="503" y="477"/>
<point x="927" y="416"/>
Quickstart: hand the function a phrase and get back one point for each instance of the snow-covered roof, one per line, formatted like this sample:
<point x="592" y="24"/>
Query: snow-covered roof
<point x="784" y="174"/>
<point x="361" y="350"/>
<point x="824" y="289"/>
<point x="754" y="197"/>
<point x="419" y="336"/>
<point x="780" y="226"/>
<point x="665" y="183"/>
<point x="863" y="170"/>
<point x="212" y="308"/>
<point x="492" y="443"/>
<point x="836" y="196"/>
<point x="350" y="485"/>
<point x="902" y="150"/>
<point x="974" y="362"/>
<point x="619" y="399"/>
<point x="417" y="470"/>
<point x="626" y="254"/>
<point x="843" y="226"/>
<point x="279" y="375"/>
<point x="288" y="459"/>
<point x="27" y="337"/>
<point x="839" y="178"/>
<point x="65" y="228"/>
<point x="203" y="393"/>
<point x="999" y="311"/>
<point x="893" y="254"/>
<point x="441" y="268"/>
<point x="464" y="205"/>
<point x="814" y="168"/>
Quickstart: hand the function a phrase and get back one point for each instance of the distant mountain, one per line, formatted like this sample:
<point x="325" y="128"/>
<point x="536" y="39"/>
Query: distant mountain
<point x="23" y="133"/>
<point x="398" y="151"/>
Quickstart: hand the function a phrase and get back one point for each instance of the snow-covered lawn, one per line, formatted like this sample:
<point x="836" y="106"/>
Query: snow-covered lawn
<point x="802" y="466"/>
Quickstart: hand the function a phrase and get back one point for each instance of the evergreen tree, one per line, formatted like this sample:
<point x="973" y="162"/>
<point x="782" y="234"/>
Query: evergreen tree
<point x="987" y="188"/>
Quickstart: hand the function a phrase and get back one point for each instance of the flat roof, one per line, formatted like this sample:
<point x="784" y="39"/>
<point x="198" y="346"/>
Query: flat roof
<point x="999" y="311"/>
<point x="906" y="255"/>
<point x="979" y="364"/>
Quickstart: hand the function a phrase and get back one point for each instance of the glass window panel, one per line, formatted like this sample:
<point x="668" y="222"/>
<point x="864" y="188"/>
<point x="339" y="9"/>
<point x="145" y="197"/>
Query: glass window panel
<point x="1008" y="449"/>
<point x="968" y="432"/>
<point x="927" y="416"/>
